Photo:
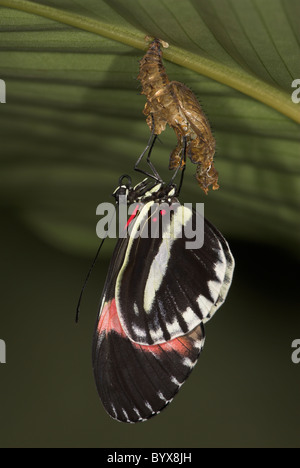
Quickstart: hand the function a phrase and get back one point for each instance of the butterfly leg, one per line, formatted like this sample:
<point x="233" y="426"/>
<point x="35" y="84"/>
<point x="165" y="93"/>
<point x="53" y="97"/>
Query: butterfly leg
<point x="181" y="165"/>
<point x="155" y="175"/>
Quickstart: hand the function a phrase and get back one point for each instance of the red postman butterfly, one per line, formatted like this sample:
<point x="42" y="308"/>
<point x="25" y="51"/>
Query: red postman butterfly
<point x="157" y="297"/>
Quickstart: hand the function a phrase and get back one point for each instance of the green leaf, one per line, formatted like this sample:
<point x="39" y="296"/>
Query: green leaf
<point x="73" y="121"/>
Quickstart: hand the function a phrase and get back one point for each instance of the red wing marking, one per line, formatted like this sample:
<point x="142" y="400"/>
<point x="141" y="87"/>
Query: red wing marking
<point x="109" y="321"/>
<point x="132" y="217"/>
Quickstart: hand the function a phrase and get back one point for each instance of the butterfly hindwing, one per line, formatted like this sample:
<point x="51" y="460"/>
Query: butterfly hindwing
<point x="135" y="382"/>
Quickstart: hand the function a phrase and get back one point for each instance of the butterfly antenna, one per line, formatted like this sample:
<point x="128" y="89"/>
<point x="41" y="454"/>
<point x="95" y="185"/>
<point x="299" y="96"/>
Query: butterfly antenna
<point x="86" y="281"/>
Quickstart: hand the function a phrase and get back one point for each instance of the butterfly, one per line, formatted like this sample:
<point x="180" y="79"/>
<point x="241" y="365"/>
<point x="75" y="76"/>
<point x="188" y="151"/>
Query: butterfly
<point x="157" y="297"/>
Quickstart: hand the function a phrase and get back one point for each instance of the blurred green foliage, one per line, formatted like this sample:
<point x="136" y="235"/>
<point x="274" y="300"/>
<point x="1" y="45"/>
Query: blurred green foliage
<point x="73" y="120"/>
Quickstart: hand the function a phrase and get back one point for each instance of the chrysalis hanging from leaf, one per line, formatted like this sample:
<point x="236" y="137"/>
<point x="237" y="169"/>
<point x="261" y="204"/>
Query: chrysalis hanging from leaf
<point x="173" y="103"/>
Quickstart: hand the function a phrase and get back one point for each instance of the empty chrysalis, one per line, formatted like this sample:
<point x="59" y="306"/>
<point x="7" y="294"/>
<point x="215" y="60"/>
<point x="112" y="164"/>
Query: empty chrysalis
<point x="173" y="103"/>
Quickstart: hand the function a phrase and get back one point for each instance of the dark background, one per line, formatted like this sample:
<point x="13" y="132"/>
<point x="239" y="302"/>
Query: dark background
<point x="244" y="390"/>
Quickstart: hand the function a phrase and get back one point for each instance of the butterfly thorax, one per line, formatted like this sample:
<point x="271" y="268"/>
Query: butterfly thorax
<point x="147" y="191"/>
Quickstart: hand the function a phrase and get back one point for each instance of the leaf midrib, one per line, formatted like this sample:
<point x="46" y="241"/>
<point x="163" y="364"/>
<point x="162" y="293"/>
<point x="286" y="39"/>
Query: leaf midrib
<point x="237" y="79"/>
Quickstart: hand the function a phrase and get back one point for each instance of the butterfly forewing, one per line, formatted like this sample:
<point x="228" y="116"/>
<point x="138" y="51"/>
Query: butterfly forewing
<point x="165" y="289"/>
